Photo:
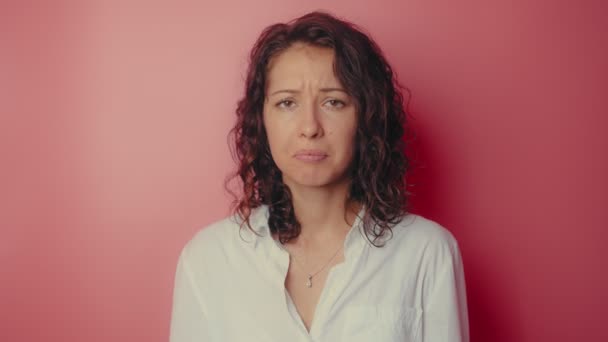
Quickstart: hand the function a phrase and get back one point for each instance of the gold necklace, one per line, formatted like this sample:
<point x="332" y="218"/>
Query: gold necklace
<point x="310" y="276"/>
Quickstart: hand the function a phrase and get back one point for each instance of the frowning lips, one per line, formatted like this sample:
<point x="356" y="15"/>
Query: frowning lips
<point x="310" y="155"/>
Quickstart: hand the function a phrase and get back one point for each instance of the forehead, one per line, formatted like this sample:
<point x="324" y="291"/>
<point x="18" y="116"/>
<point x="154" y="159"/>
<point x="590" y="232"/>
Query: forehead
<point x="302" y="63"/>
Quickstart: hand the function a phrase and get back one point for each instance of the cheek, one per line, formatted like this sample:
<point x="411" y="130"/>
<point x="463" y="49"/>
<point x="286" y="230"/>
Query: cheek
<point x="277" y="140"/>
<point x="271" y="132"/>
<point x="275" y="136"/>
<point x="344" y="137"/>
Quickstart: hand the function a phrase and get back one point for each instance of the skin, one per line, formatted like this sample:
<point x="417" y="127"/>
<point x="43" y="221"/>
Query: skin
<point x="307" y="108"/>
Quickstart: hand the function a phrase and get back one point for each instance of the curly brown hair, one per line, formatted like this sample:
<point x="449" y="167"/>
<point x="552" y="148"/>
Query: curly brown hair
<point x="380" y="161"/>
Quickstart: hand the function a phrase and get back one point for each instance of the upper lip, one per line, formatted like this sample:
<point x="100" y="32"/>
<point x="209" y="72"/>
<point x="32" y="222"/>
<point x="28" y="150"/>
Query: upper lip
<point x="310" y="152"/>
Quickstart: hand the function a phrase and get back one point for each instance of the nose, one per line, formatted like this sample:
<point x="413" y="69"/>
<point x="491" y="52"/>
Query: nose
<point x="310" y="123"/>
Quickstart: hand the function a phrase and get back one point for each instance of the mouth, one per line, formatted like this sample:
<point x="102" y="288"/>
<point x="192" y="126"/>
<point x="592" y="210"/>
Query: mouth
<point x="310" y="155"/>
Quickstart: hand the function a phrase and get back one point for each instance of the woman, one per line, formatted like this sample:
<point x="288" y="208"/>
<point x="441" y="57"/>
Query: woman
<point x="320" y="246"/>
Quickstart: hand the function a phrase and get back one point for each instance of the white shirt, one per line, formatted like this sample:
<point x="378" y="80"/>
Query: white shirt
<point x="230" y="287"/>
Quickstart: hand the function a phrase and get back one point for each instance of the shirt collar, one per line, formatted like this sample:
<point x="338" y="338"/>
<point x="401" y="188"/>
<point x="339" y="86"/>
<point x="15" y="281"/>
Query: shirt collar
<point x="259" y="222"/>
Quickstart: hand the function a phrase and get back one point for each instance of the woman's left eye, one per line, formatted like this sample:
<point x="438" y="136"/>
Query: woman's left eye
<point x="336" y="103"/>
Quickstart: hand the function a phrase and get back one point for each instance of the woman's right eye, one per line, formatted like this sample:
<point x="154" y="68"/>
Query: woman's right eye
<point x="286" y="104"/>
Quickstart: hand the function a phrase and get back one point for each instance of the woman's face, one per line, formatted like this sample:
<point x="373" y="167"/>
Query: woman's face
<point x="309" y="118"/>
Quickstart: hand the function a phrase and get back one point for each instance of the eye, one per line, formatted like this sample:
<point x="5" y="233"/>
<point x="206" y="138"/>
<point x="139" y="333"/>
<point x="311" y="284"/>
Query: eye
<point x="336" y="103"/>
<point x="285" y="104"/>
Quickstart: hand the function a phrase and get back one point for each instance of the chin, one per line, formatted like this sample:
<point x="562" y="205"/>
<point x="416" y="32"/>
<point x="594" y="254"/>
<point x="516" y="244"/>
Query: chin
<point x="311" y="184"/>
<point x="316" y="181"/>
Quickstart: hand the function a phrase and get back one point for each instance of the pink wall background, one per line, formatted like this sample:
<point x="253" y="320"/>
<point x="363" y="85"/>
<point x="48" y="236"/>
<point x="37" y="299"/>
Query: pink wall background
<point x="113" y="124"/>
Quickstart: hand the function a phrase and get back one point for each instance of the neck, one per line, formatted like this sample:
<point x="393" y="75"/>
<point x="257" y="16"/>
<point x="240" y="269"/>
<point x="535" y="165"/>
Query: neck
<point x="323" y="212"/>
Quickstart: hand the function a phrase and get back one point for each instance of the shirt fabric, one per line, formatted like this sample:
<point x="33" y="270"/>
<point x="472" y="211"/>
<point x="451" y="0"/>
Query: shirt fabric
<point x="230" y="287"/>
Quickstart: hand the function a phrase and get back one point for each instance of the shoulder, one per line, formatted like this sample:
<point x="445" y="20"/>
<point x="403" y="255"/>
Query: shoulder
<point x="423" y="229"/>
<point x="425" y="237"/>
<point x="212" y="239"/>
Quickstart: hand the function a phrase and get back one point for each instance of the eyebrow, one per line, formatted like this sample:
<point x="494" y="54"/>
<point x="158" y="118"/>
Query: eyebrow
<point x="293" y="91"/>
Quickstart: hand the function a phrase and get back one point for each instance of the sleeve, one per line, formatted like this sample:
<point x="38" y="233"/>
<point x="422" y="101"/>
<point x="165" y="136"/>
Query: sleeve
<point x="188" y="317"/>
<point x="445" y="312"/>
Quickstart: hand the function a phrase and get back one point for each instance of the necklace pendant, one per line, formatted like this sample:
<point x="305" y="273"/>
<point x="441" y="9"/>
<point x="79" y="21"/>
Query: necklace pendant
<point x="309" y="282"/>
